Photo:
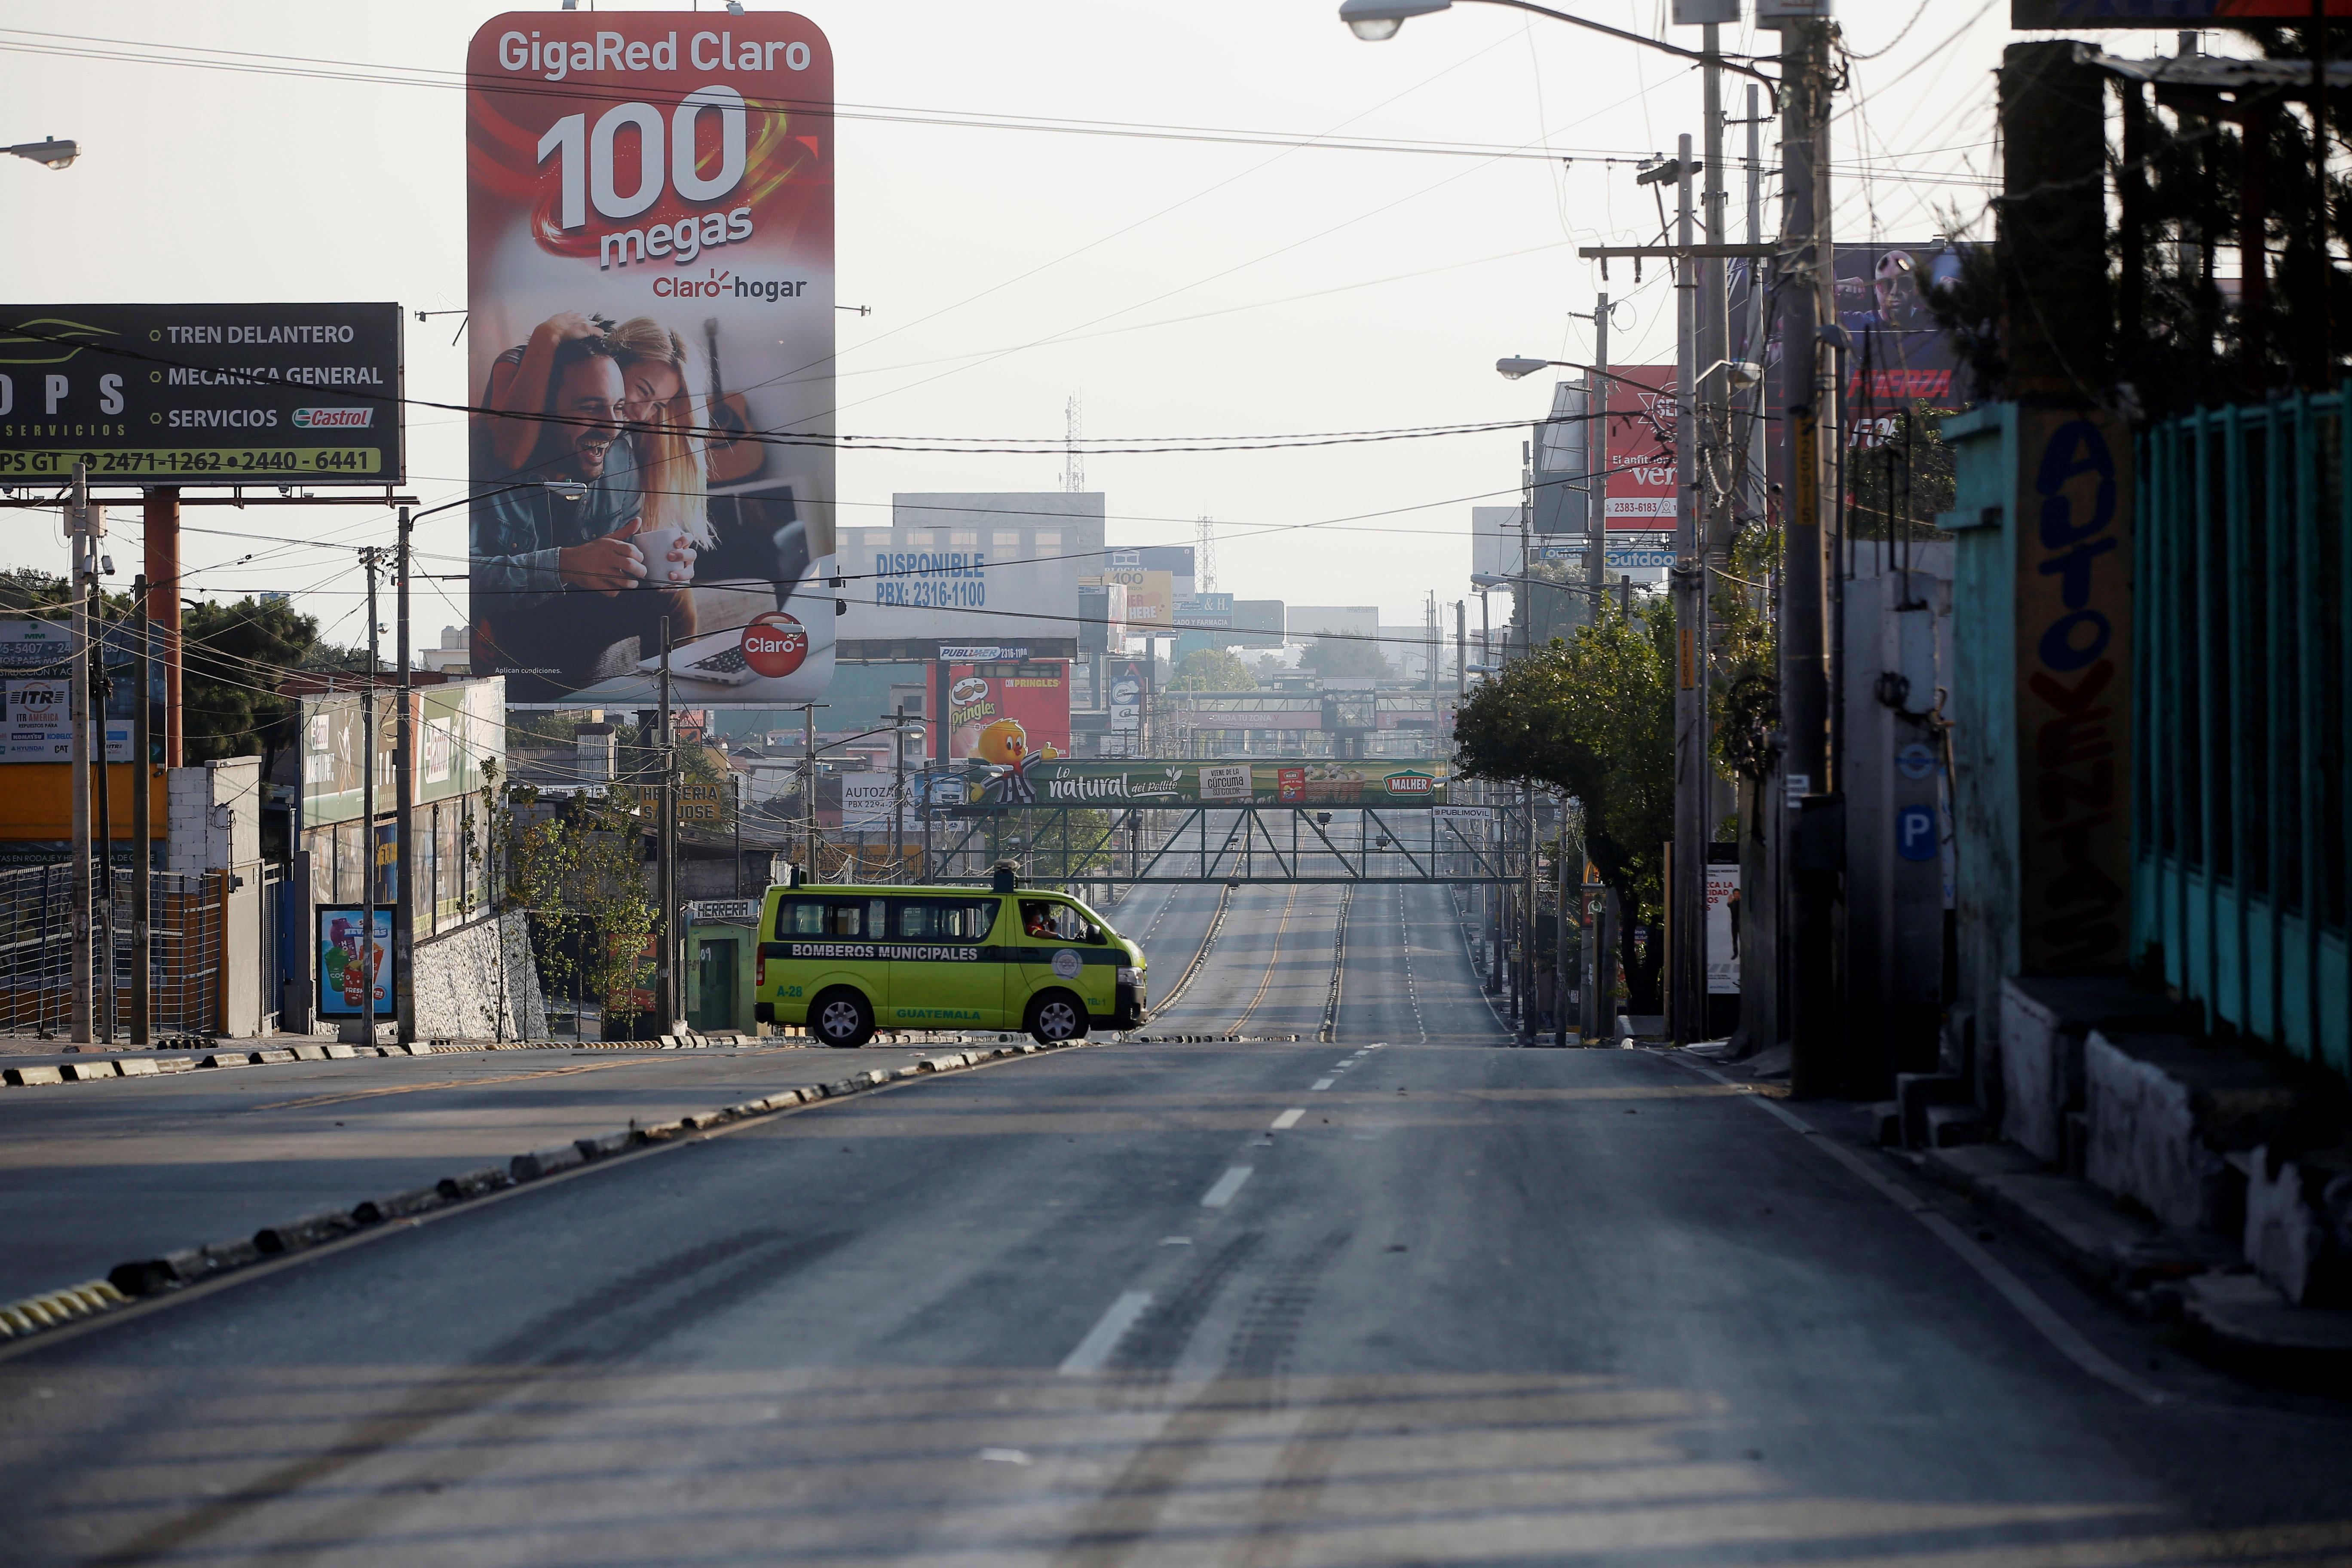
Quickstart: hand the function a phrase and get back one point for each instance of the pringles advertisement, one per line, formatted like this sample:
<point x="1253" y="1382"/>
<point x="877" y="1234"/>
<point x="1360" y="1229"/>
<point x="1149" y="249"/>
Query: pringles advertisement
<point x="650" y="287"/>
<point x="1004" y="714"/>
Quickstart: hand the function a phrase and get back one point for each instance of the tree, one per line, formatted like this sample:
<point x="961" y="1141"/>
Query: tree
<point x="579" y="870"/>
<point x="1346" y="658"/>
<point x="1594" y="716"/>
<point x="1211" y="669"/>
<point x="232" y="658"/>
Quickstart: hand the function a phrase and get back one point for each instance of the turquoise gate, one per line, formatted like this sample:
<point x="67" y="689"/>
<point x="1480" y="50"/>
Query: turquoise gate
<point x="2244" y="693"/>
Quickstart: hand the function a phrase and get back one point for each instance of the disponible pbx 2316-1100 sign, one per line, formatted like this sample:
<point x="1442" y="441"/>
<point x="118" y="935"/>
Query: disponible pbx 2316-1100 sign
<point x="202" y="394"/>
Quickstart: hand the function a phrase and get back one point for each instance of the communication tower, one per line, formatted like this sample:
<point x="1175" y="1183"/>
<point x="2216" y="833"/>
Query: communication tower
<point x="1204" y="555"/>
<point x="1073" y="469"/>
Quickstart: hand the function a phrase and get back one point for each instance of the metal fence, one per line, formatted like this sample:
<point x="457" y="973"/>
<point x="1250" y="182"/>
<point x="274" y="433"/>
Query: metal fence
<point x="188" y="918"/>
<point x="2243" y="696"/>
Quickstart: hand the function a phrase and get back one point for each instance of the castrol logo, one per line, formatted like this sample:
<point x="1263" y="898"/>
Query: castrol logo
<point x="774" y="644"/>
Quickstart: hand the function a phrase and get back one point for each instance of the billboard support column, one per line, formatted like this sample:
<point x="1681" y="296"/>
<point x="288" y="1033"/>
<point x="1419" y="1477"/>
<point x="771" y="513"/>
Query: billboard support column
<point x="163" y="552"/>
<point x="403" y="795"/>
<point x="142" y="825"/>
<point x="79" y="520"/>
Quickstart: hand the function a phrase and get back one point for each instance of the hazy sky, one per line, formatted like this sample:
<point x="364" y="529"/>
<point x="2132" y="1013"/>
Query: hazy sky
<point x="1177" y="289"/>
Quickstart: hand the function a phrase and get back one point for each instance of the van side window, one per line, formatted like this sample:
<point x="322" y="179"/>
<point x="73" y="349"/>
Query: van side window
<point x="941" y="920"/>
<point x="862" y="917"/>
<point x="800" y="917"/>
<point x="1044" y="919"/>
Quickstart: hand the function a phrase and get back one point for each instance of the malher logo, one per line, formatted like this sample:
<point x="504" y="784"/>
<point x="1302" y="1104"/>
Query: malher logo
<point x="333" y="418"/>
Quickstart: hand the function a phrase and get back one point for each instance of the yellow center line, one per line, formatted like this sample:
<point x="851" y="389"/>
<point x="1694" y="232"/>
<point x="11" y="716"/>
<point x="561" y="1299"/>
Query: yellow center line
<point x="438" y="1083"/>
<point x="1274" y="958"/>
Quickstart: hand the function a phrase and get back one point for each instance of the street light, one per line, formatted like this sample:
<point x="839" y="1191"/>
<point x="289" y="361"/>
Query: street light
<point x="1374" y="20"/>
<point x="48" y="151"/>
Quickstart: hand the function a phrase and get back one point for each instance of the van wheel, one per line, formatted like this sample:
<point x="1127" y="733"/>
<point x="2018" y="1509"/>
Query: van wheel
<point x="841" y="1018"/>
<point x="1056" y="1016"/>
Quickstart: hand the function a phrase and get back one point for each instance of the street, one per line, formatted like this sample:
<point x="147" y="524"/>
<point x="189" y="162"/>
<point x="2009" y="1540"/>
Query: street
<point x="1390" y="1300"/>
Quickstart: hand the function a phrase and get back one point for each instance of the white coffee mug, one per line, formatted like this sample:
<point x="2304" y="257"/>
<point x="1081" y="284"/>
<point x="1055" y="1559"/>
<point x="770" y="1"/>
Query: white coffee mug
<point x="655" y="546"/>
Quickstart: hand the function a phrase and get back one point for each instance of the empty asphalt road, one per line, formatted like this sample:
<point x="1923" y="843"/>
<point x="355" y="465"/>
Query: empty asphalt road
<point x="1409" y="1297"/>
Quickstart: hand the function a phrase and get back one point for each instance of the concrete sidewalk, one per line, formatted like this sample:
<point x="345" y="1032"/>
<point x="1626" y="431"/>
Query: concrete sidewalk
<point x="92" y="1174"/>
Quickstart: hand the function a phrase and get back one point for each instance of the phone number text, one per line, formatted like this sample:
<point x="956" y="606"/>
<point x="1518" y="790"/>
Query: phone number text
<point x="176" y="461"/>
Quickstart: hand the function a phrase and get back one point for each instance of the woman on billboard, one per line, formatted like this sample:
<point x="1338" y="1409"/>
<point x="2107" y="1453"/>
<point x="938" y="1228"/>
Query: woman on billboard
<point x="642" y="522"/>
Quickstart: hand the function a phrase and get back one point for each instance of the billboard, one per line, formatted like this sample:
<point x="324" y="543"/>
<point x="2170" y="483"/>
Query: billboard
<point x="461" y="742"/>
<point x="649" y="231"/>
<point x="1003" y="714"/>
<point x="1383" y="782"/>
<point x="35" y="698"/>
<point x="1150" y="597"/>
<point x="1561" y="444"/>
<point x="1638" y="493"/>
<point x="956" y="596"/>
<point x="2025" y="14"/>
<point x="1899" y="356"/>
<point x="355" y="949"/>
<point x="218" y="394"/>
<point x="1126" y="692"/>
<point x="868" y="802"/>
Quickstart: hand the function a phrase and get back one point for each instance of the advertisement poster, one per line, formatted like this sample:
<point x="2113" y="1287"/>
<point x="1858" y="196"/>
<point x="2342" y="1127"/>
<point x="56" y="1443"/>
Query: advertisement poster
<point x="1005" y="713"/>
<point x="868" y="802"/>
<point x="649" y="231"/>
<point x="1127" y="684"/>
<point x="202" y="394"/>
<point x="35" y="723"/>
<point x="1150" y="597"/>
<point x="1640" y="490"/>
<point x="1386" y="783"/>
<point x="349" y="964"/>
<point x="1723" y="932"/>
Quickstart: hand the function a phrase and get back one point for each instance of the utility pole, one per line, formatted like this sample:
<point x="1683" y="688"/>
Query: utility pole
<point x="403" y="795"/>
<point x="808" y="790"/>
<point x="665" y="991"/>
<point x="898" y="792"/>
<point x="142" y="825"/>
<point x="368" y="950"/>
<point x="1560" y="932"/>
<point x="1461" y="649"/>
<point x="85" y="525"/>
<point x="1596" y="455"/>
<point x="1809" y="401"/>
<point x="1686" y="892"/>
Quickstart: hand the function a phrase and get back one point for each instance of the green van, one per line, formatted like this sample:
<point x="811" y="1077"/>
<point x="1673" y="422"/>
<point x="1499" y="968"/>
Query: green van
<point x="845" y="961"/>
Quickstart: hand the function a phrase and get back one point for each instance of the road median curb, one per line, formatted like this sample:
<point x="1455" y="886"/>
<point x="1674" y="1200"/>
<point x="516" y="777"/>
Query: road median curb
<point x="149" y="1279"/>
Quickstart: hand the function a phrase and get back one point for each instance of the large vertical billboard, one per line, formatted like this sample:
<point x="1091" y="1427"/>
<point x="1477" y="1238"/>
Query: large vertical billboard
<point x="649" y="230"/>
<point x="1638" y="493"/>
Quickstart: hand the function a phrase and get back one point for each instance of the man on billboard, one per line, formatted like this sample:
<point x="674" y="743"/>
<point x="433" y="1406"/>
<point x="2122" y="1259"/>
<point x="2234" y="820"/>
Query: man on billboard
<point x="661" y="217"/>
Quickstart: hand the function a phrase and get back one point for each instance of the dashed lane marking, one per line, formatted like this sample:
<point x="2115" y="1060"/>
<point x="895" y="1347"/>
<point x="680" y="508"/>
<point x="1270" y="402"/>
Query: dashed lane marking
<point x="1094" y="1352"/>
<point x="1219" y="1196"/>
<point x="1287" y="1119"/>
<point x="1321" y="1083"/>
